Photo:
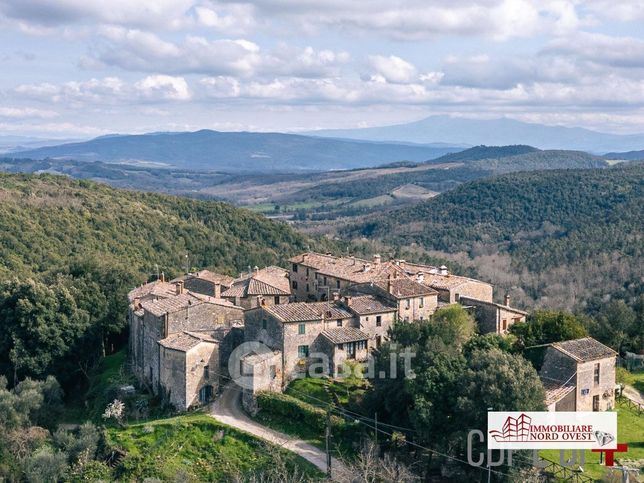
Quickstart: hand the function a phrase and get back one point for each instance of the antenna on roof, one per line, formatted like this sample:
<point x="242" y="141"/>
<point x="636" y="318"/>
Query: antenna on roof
<point x="157" y="267"/>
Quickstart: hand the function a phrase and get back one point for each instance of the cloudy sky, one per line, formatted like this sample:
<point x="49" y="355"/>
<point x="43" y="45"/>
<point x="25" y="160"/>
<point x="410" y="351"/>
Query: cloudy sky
<point x="79" y="68"/>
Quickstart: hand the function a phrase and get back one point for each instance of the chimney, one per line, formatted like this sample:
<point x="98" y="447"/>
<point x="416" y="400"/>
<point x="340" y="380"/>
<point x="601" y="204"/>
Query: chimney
<point x="347" y="300"/>
<point x="304" y="257"/>
<point x="217" y="290"/>
<point x="506" y="300"/>
<point x="179" y="287"/>
<point x="256" y="269"/>
<point x="336" y="296"/>
<point x="376" y="259"/>
<point x="162" y="277"/>
<point x="401" y="264"/>
<point x="420" y="277"/>
<point x="366" y="267"/>
<point x="389" y="287"/>
<point x="443" y="270"/>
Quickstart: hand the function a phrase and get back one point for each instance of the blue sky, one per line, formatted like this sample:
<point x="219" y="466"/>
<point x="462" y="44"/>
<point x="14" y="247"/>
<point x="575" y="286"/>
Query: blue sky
<point x="80" y="68"/>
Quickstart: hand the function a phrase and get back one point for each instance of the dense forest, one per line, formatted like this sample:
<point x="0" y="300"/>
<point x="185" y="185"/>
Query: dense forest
<point x="70" y="251"/>
<point x="563" y="239"/>
<point x="471" y="164"/>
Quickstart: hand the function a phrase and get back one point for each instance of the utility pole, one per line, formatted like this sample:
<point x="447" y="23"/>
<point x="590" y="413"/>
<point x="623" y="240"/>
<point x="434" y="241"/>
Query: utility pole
<point x="328" y="439"/>
<point x="489" y="457"/>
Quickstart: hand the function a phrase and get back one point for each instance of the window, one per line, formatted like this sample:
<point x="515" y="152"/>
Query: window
<point x="294" y="284"/>
<point x="206" y="372"/>
<point x="295" y="268"/>
<point x="264" y="323"/>
<point x="308" y="288"/>
<point x="277" y="300"/>
<point x="597" y="369"/>
<point x="378" y="340"/>
<point x="422" y="302"/>
<point x="325" y="281"/>
<point x="505" y="325"/>
<point x="362" y="344"/>
<point x="378" y="320"/>
<point x="307" y="271"/>
<point x="303" y="351"/>
<point x="406" y="318"/>
<point x="337" y="284"/>
<point x="301" y="328"/>
<point x="341" y="347"/>
<point x="273" y="372"/>
<point x="367" y="318"/>
<point x="408" y="304"/>
<point x="339" y="322"/>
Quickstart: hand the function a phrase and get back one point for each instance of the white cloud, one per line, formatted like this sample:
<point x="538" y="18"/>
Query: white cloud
<point x="163" y="87"/>
<point x="26" y="113"/>
<point x="393" y="69"/>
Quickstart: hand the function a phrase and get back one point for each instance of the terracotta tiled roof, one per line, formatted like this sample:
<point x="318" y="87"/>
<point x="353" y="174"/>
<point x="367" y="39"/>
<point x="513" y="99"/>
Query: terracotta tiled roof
<point x="180" y="302"/>
<point x="370" y="304"/>
<point x="585" y="349"/>
<point x="305" y="311"/>
<point x="214" y="277"/>
<point x="267" y="281"/>
<point x="342" y="335"/>
<point x="556" y="391"/>
<point x="156" y="288"/>
<point x="184" y="341"/>
<point x="331" y="310"/>
<point x="404" y="287"/>
<point x="352" y="269"/>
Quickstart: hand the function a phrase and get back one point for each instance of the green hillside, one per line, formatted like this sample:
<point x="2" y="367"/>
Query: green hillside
<point x="563" y="236"/>
<point x="71" y="250"/>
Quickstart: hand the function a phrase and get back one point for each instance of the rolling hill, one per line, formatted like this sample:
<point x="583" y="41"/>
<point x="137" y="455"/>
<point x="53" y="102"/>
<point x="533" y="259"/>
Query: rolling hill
<point x="503" y="131"/>
<point x="238" y="151"/>
<point x="565" y="237"/>
<point x="628" y="156"/>
<point x="47" y="222"/>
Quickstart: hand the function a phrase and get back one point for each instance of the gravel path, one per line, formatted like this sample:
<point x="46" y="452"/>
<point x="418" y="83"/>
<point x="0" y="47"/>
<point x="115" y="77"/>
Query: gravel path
<point x="227" y="410"/>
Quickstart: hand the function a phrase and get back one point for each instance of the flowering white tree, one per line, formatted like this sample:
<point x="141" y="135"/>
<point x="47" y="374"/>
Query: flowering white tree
<point x="114" y="410"/>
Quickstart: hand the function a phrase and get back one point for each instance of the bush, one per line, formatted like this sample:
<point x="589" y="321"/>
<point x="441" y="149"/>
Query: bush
<point x="46" y="465"/>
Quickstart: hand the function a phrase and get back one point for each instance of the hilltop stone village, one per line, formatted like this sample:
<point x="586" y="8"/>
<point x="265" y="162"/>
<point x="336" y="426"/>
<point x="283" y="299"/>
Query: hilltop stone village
<point x="323" y="308"/>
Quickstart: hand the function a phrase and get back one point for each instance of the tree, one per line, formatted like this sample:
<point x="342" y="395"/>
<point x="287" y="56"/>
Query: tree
<point x="617" y="326"/>
<point x="454" y="325"/>
<point x="545" y="327"/>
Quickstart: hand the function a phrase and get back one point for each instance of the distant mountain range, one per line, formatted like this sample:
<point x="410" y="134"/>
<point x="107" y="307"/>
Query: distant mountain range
<point x="628" y="156"/>
<point x="504" y="131"/>
<point x="240" y="151"/>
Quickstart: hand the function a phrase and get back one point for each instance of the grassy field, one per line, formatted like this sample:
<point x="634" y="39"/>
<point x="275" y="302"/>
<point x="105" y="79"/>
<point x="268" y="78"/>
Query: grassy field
<point x="195" y="447"/>
<point x="630" y="429"/>
<point x="343" y="392"/>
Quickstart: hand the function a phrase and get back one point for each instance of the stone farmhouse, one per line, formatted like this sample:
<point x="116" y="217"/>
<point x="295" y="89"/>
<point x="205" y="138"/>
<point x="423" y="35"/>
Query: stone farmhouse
<point x="183" y="331"/>
<point x="579" y="375"/>
<point x="180" y="340"/>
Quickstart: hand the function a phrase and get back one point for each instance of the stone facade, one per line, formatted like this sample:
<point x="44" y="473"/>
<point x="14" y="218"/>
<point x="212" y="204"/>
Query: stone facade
<point x="585" y="365"/>
<point x="493" y="318"/>
<point x="263" y="372"/>
<point x="164" y="361"/>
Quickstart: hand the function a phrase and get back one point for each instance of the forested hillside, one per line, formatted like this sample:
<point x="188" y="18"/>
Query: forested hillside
<point x="70" y="250"/>
<point x="555" y="238"/>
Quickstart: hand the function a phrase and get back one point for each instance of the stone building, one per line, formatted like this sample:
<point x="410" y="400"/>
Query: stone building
<point x="261" y="372"/>
<point x="170" y="329"/>
<point x="579" y="375"/>
<point x="316" y="276"/>
<point x="493" y="318"/>
<point x="268" y="286"/>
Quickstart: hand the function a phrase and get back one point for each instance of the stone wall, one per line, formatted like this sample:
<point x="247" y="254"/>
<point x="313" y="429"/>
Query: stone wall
<point x="587" y="389"/>
<point x="474" y="289"/>
<point x="304" y="280"/>
<point x="265" y="373"/>
<point x="368" y="325"/>
<point x="417" y="308"/>
<point x="173" y="376"/>
<point x="197" y="358"/>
